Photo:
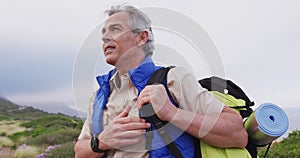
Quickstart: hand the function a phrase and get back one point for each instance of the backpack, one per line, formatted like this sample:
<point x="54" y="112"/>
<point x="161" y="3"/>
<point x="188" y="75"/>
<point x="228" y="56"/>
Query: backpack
<point x="224" y="90"/>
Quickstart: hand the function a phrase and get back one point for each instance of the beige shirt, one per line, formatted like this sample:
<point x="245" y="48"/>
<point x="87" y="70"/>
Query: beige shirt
<point x="183" y="87"/>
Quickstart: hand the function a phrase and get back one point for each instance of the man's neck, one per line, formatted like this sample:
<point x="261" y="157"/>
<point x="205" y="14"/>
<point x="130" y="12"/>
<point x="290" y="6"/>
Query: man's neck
<point x="130" y="61"/>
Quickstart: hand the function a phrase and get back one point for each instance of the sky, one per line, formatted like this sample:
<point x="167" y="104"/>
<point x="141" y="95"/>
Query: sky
<point x="45" y="46"/>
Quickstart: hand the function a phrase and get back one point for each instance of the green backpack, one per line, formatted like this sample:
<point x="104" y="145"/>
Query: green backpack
<point x="228" y="93"/>
<point x="208" y="151"/>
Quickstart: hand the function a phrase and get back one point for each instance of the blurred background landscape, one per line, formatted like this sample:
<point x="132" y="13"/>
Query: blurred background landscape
<point x="26" y="132"/>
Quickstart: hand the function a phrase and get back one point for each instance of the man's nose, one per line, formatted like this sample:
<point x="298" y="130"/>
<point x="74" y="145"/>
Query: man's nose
<point x="106" y="37"/>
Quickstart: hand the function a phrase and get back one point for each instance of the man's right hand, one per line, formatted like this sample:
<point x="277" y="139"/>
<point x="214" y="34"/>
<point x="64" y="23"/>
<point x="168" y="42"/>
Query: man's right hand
<point x="123" y="131"/>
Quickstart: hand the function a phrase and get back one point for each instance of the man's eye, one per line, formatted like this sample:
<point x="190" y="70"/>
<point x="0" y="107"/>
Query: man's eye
<point x="116" y="29"/>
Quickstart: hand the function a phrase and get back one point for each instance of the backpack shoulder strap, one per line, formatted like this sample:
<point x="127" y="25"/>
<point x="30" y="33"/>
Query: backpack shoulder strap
<point x="148" y="113"/>
<point x="159" y="75"/>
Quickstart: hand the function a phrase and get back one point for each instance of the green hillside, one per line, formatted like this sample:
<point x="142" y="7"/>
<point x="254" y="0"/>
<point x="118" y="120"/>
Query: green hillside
<point x="11" y="111"/>
<point x="28" y="132"/>
<point x="288" y="147"/>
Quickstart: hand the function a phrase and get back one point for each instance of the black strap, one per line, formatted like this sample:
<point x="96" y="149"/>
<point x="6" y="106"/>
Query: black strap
<point x="197" y="147"/>
<point x="219" y="84"/>
<point x="147" y="112"/>
<point x="267" y="150"/>
<point x="252" y="148"/>
<point x="159" y="76"/>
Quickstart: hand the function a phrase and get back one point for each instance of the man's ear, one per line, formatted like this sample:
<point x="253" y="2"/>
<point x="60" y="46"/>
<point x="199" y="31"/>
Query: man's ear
<point x="143" y="38"/>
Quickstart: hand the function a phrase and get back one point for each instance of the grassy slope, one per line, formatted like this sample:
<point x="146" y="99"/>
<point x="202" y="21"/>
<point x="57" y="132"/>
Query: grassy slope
<point x="36" y="129"/>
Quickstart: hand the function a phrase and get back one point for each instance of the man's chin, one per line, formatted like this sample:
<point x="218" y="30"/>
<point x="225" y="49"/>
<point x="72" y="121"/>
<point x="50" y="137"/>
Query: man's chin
<point x="110" y="61"/>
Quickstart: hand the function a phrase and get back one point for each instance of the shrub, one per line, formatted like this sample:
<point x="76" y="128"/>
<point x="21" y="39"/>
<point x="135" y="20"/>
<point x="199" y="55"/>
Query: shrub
<point x="9" y="127"/>
<point x="66" y="150"/>
<point x="6" y="142"/>
<point x="2" y="134"/>
<point x="55" y="137"/>
<point x="25" y="151"/>
<point x="48" y="130"/>
<point x="79" y="124"/>
<point x="51" y="121"/>
<point x="2" y="117"/>
<point x="288" y="147"/>
<point x="16" y="136"/>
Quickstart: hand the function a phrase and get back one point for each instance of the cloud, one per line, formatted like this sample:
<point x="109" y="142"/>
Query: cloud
<point x="29" y="71"/>
<point x="62" y="95"/>
<point x="258" y="43"/>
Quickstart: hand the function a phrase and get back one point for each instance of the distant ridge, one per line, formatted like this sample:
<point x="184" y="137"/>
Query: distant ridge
<point x="59" y="108"/>
<point x="55" y="108"/>
<point x="5" y="98"/>
<point x="12" y="111"/>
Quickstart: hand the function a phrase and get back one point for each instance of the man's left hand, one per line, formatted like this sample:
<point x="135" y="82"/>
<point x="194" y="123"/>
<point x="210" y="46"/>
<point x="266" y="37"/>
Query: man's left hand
<point x="158" y="97"/>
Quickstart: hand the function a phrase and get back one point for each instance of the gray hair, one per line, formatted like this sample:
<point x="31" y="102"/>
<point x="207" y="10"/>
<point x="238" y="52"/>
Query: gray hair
<point x="138" y="22"/>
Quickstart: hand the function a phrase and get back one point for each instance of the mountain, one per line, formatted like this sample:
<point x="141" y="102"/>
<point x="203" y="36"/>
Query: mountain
<point x="15" y="111"/>
<point x="12" y="111"/>
<point x="4" y="98"/>
<point x="59" y="108"/>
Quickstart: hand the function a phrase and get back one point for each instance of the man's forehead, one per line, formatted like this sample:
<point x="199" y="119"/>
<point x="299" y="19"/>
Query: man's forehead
<point x="119" y="17"/>
<point x="113" y="24"/>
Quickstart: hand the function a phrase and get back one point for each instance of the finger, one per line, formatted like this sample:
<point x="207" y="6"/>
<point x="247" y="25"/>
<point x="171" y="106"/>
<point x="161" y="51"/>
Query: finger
<point x="147" y="88"/>
<point x="135" y="126"/>
<point x="126" y="120"/>
<point x="145" y="91"/>
<point x="125" y="112"/>
<point x="143" y="99"/>
<point x="129" y="134"/>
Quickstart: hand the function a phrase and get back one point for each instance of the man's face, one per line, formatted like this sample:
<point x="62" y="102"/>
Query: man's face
<point x="117" y="38"/>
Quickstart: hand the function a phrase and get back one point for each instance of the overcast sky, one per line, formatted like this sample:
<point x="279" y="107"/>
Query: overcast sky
<point x="258" y="42"/>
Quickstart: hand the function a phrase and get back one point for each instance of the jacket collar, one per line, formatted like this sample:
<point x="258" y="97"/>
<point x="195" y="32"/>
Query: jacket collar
<point x="140" y="75"/>
<point x="103" y="80"/>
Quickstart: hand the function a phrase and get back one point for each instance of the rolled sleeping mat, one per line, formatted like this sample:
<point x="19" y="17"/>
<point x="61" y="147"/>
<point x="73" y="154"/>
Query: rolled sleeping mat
<point x="266" y="123"/>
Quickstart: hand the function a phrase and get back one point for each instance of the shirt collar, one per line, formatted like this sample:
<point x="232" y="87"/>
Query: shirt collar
<point x="139" y="75"/>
